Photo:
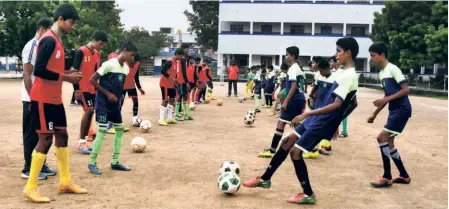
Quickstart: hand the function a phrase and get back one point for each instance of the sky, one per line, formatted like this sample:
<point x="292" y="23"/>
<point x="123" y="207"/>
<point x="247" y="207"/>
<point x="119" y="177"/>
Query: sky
<point x="153" y="14"/>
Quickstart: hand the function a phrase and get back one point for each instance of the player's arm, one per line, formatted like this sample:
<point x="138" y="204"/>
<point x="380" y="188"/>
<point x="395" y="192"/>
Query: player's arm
<point x="195" y="74"/>
<point x="77" y="65"/>
<point x="207" y="73"/>
<point x="165" y="68"/>
<point x="27" y="55"/>
<point x="184" y="71"/>
<point x="104" y="69"/>
<point x="46" y="47"/>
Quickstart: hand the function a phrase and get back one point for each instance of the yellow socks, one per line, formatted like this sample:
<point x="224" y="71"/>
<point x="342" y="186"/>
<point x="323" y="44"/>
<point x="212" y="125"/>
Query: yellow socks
<point x="37" y="162"/>
<point x="62" y="155"/>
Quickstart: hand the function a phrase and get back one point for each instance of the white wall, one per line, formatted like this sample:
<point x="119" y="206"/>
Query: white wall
<point x="282" y="12"/>
<point x="276" y="44"/>
<point x="275" y="27"/>
<point x="307" y="27"/>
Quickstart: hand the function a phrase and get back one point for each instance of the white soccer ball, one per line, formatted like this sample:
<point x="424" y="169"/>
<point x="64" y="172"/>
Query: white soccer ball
<point x="136" y="121"/>
<point x="252" y="113"/>
<point x="249" y="119"/>
<point x="228" y="183"/>
<point x="192" y="106"/>
<point x="145" y="126"/>
<point x="230" y="166"/>
<point x="138" y="144"/>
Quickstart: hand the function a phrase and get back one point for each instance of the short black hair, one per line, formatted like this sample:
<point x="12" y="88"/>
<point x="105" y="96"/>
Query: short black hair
<point x="185" y="46"/>
<point x="333" y="58"/>
<point x="99" y="35"/>
<point x="137" y="57"/>
<point x="293" y="51"/>
<point x="316" y="59"/>
<point x="197" y="59"/>
<point x="324" y="64"/>
<point x="129" y="46"/>
<point x="44" y="23"/>
<point x="264" y="71"/>
<point x="309" y="64"/>
<point x="66" y="11"/>
<point x="179" y="51"/>
<point x="284" y="66"/>
<point x="270" y="67"/>
<point x="262" y="65"/>
<point x="379" y="48"/>
<point x="349" y="43"/>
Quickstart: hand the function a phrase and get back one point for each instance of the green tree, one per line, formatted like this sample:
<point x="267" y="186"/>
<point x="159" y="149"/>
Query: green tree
<point x="204" y="22"/>
<point x="404" y="27"/>
<point x="148" y="44"/>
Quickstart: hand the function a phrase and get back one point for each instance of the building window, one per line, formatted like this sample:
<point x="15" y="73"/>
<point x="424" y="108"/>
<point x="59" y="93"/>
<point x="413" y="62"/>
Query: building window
<point x="266" y="60"/>
<point x="266" y="29"/>
<point x="276" y="61"/>
<point x="297" y="29"/>
<point x="358" y="31"/>
<point x="236" y="28"/>
<point x="326" y="30"/>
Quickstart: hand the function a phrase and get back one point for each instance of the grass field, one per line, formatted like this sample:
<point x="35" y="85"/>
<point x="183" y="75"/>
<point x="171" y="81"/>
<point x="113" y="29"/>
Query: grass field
<point x="179" y="169"/>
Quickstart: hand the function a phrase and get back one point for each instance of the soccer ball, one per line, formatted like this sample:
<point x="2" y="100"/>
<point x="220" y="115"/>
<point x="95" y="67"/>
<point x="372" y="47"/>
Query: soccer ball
<point x="228" y="183"/>
<point x="136" y="121"/>
<point x="252" y="113"/>
<point x="138" y="144"/>
<point x="249" y="120"/>
<point x="192" y="106"/>
<point x="241" y="99"/>
<point x="219" y="102"/>
<point x="230" y="166"/>
<point x="207" y="100"/>
<point x="145" y="126"/>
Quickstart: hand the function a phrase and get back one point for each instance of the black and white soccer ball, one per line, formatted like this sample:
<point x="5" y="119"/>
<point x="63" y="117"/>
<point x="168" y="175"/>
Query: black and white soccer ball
<point x="229" y="183"/>
<point x="230" y="166"/>
<point x="249" y="119"/>
<point x="136" y="121"/>
<point x="251" y="112"/>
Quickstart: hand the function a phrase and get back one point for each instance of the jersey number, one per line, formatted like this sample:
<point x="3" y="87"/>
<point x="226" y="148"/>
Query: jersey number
<point x="102" y="119"/>
<point x="87" y="59"/>
<point x="50" y="126"/>
<point x="89" y="102"/>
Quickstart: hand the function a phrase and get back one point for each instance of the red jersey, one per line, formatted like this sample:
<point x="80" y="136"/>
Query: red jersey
<point x="191" y="71"/>
<point x="233" y="72"/>
<point x="48" y="91"/>
<point x="87" y="67"/>
<point x="179" y="74"/>
<point x="113" y="55"/>
<point x="202" y="74"/>
<point x="130" y="83"/>
<point x="168" y="83"/>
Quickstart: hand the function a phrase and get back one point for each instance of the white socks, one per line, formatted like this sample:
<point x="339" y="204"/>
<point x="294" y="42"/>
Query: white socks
<point x="162" y="110"/>
<point x="169" y="112"/>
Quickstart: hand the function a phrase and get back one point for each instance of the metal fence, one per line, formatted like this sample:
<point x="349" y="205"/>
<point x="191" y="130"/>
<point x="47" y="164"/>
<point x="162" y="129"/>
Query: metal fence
<point x="428" y="82"/>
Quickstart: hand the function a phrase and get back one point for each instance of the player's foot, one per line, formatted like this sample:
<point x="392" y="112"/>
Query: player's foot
<point x="120" y="167"/>
<point x="178" y="118"/>
<point x="257" y="110"/>
<point x="302" y="198"/>
<point x="402" y="180"/>
<point x="257" y="182"/>
<point x="111" y="130"/>
<point x="35" y="196"/>
<point x="272" y="114"/>
<point x="343" y="135"/>
<point x="172" y="121"/>
<point x="266" y="154"/>
<point x="162" y="123"/>
<point x="381" y="182"/>
<point x="89" y="144"/>
<point x="188" y="118"/>
<point x="94" y="169"/>
<point x="229" y="95"/>
<point x="311" y="155"/>
<point x="42" y="176"/>
<point x="323" y="151"/>
<point x="48" y="171"/>
<point x="83" y="147"/>
<point x="72" y="188"/>
<point x="126" y="129"/>
<point x="235" y="95"/>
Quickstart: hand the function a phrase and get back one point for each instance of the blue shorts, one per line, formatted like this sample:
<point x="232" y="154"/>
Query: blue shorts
<point x="295" y="107"/>
<point x="106" y="111"/>
<point x="396" y="123"/>
<point x="258" y="90"/>
<point x="308" y="138"/>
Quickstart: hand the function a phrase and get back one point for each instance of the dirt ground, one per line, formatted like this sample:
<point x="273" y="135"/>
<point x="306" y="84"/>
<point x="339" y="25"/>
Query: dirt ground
<point x="179" y="169"/>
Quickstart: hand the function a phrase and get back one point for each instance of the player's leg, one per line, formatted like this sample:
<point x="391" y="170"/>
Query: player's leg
<point x="184" y="91"/>
<point x="385" y="179"/>
<point x="101" y="133"/>
<point x="115" y="118"/>
<point x="88" y="107"/>
<point x="344" y="132"/>
<point x="179" y="96"/>
<point x="235" y="88"/>
<point x="163" y="108"/>
<point x="229" y="88"/>
<point x="269" y="153"/>
<point x="171" y="102"/>
<point x="30" y="140"/>
<point x="257" y="98"/>
<point x="403" y="177"/>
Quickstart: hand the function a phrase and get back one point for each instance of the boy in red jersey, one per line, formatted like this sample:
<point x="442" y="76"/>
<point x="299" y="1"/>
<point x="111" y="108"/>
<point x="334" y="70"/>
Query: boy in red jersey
<point x="182" y="81"/>
<point x="167" y="84"/>
<point x="192" y="76"/>
<point x="132" y="80"/>
<point x="47" y="106"/>
<point x="87" y="62"/>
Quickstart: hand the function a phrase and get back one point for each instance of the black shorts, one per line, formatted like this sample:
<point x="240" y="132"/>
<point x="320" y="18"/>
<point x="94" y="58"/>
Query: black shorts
<point x="168" y="93"/>
<point x="182" y="88"/>
<point x="131" y="92"/>
<point x="48" y="117"/>
<point x="192" y="85"/>
<point x="88" y="100"/>
<point x="210" y="84"/>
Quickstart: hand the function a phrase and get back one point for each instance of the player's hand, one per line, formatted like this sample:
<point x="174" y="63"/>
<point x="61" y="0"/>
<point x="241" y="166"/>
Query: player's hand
<point x="78" y="96"/>
<point x="142" y="91"/>
<point x="112" y="97"/>
<point x="371" y="119"/>
<point x="273" y="96"/>
<point x="284" y="106"/>
<point x="380" y="102"/>
<point x="73" y="77"/>
<point x="298" y="119"/>
<point x="72" y="70"/>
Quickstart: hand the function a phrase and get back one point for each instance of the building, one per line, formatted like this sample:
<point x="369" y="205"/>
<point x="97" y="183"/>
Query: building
<point x="254" y="32"/>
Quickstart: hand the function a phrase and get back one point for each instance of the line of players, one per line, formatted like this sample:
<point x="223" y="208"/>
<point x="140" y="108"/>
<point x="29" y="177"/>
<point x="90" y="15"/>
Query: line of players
<point x="334" y="100"/>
